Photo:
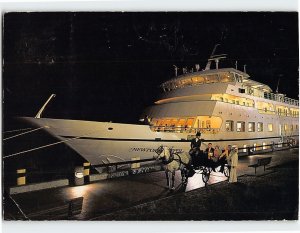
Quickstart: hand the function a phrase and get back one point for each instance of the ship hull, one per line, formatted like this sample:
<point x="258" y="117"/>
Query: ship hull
<point x="103" y="143"/>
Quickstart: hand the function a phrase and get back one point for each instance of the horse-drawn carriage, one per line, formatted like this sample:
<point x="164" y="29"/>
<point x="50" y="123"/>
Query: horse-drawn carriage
<point x="188" y="164"/>
<point x="202" y="165"/>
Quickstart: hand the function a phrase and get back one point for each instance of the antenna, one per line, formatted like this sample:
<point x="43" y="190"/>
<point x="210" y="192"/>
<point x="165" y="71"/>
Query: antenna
<point x="176" y="69"/>
<point x="236" y="65"/>
<point x="277" y="85"/>
<point x="245" y="68"/>
<point x="38" y="115"/>
<point x="209" y="60"/>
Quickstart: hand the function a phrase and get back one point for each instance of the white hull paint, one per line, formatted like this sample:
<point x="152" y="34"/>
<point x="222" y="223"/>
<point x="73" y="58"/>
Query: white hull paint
<point x="104" y="142"/>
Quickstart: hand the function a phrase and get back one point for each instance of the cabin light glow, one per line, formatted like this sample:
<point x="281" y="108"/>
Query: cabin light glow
<point x="245" y="150"/>
<point x="204" y="124"/>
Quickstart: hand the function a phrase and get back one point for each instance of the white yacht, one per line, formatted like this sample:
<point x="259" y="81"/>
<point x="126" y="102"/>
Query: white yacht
<point x="224" y="104"/>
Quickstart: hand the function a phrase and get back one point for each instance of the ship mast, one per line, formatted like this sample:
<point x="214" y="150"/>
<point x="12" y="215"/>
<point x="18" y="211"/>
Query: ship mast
<point x="211" y="56"/>
<point x="215" y="58"/>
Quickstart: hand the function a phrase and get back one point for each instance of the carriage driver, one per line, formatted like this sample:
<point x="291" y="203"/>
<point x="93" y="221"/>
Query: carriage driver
<point x="195" y="144"/>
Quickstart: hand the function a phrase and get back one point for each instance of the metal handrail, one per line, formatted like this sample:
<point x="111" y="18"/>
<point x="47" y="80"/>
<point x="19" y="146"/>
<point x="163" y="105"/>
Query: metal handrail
<point x="183" y="129"/>
<point x="276" y="97"/>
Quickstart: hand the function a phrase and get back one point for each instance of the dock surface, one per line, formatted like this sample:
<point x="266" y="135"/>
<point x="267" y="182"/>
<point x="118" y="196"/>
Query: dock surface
<point x="270" y="194"/>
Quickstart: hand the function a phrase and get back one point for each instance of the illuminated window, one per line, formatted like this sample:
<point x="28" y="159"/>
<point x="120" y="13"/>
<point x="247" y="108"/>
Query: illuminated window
<point x="227" y="77"/>
<point x="208" y="124"/>
<point x="251" y="127"/>
<point x="181" y="122"/>
<point x="189" y="122"/>
<point x="285" y="127"/>
<point x="291" y="127"/>
<point x="270" y="127"/>
<point x="212" y="78"/>
<point x="173" y="122"/>
<point x="229" y="125"/>
<point x="240" y="126"/>
<point x="260" y="127"/>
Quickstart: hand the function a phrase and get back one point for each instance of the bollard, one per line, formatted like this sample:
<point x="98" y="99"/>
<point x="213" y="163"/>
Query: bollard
<point x="21" y="177"/>
<point x="86" y="172"/>
<point x="135" y="165"/>
<point x="78" y="176"/>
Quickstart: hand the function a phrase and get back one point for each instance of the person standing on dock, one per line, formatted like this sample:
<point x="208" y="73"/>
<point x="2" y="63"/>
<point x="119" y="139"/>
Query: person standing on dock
<point x="233" y="157"/>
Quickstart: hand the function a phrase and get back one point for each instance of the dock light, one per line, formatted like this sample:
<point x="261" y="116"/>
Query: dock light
<point x="79" y="175"/>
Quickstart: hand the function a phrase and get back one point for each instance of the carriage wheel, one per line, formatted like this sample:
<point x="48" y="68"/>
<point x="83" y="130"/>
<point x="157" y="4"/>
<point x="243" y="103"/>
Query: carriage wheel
<point x="226" y="171"/>
<point x="205" y="175"/>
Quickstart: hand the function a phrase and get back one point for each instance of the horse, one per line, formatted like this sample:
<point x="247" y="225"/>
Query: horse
<point x="172" y="162"/>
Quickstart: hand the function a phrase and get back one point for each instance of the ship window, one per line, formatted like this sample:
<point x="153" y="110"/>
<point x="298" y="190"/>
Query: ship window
<point x="226" y="77"/>
<point x="189" y="122"/>
<point x="260" y="127"/>
<point x="208" y="124"/>
<point x="173" y="122"/>
<point x="242" y="90"/>
<point x="270" y="127"/>
<point x="251" y="127"/>
<point x="213" y="78"/>
<point x="181" y="122"/>
<point x="240" y="126"/>
<point x="229" y="125"/>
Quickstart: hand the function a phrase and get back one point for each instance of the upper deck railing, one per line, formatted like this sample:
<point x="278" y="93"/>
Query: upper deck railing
<point x="183" y="129"/>
<point x="281" y="98"/>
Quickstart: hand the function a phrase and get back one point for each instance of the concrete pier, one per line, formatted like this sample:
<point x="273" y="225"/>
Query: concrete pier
<point x="270" y="194"/>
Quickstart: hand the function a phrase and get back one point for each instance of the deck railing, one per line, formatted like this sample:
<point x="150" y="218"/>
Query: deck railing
<point x="281" y="98"/>
<point x="178" y="129"/>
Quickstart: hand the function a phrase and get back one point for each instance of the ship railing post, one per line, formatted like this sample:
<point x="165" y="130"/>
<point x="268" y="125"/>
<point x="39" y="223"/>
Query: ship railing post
<point x="86" y="172"/>
<point x="21" y="177"/>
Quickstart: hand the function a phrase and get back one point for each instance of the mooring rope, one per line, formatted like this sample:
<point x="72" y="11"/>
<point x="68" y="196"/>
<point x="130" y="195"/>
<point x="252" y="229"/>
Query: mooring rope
<point x="19" y="208"/>
<point x="16" y="130"/>
<point x="45" y="146"/>
<point x="24" y="133"/>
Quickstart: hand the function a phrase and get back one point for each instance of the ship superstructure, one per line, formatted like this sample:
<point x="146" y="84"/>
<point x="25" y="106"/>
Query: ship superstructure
<point x="225" y="105"/>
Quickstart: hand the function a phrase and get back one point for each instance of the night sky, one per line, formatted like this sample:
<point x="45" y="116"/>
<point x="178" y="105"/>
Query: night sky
<point x="108" y="66"/>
